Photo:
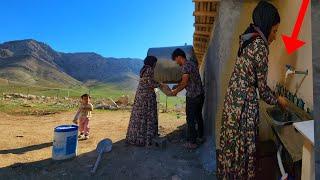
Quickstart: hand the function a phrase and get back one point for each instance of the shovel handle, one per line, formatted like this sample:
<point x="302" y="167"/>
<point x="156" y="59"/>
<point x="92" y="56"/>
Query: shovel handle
<point x="96" y="164"/>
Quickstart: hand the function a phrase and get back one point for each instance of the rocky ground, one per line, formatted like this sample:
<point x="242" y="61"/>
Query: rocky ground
<point x="31" y="101"/>
<point x="103" y="103"/>
<point x="26" y="142"/>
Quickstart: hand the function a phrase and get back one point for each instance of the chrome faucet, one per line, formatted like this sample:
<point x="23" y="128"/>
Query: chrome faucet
<point x="291" y="70"/>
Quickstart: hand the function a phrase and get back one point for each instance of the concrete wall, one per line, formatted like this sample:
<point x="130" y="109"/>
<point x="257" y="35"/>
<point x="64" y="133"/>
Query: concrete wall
<point x="316" y="79"/>
<point x="212" y="73"/>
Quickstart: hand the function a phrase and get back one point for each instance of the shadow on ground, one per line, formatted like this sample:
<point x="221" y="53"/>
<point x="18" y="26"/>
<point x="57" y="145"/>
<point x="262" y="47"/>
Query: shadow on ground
<point x="123" y="162"/>
<point x="26" y="149"/>
<point x="130" y="162"/>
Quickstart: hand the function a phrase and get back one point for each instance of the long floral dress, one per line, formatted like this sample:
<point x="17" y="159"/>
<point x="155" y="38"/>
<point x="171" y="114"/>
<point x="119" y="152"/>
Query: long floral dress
<point x="239" y="130"/>
<point x="143" y="125"/>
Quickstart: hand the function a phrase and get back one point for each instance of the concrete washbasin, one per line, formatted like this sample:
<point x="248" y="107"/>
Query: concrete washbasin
<point x="282" y="117"/>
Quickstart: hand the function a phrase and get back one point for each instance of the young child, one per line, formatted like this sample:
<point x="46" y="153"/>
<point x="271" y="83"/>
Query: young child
<point x="83" y="115"/>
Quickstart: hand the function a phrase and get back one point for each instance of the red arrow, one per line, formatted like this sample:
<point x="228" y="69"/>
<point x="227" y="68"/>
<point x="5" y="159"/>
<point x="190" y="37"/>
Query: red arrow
<point x="292" y="43"/>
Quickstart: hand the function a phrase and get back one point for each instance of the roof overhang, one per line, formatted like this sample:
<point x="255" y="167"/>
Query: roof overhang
<point x="205" y="13"/>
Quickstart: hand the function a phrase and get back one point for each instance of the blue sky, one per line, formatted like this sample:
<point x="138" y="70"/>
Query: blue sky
<point x="112" y="28"/>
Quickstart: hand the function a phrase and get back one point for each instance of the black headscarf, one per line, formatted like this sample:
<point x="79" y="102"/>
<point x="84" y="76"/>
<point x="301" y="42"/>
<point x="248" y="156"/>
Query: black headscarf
<point x="149" y="61"/>
<point x="264" y="16"/>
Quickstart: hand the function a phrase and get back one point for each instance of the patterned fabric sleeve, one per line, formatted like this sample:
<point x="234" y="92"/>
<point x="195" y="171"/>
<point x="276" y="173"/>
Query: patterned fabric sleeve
<point x="149" y="75"/>
<point x="261" y="58"/>
<point x="186" y="69"/>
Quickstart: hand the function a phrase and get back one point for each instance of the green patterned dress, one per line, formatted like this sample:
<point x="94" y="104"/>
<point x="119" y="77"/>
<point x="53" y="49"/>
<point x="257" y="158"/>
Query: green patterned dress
<point x="240" y="118"/>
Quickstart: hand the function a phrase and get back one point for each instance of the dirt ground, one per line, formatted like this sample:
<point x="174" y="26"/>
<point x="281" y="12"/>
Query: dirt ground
<point x="26" y="142"/>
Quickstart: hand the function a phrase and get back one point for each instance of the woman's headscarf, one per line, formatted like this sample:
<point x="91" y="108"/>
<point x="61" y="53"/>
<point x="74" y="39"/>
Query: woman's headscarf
<point x="149" y="61"/>
<point x="264" y="16"/>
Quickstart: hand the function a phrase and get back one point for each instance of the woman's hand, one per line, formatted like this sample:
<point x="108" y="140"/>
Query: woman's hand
<point x="174" y="92"/>
<point x="165" y="89"/>
<point x="163" y="85"/>
<point x="175" y="87"/>
<point x="282" y="102"/>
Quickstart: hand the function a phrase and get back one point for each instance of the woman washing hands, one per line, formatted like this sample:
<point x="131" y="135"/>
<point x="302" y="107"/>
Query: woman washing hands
<point x="240" y="118"/>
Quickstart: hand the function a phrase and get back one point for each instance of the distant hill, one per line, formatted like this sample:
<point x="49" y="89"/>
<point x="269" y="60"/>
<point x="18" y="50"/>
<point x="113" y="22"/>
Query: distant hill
<point x="35" y="63"/>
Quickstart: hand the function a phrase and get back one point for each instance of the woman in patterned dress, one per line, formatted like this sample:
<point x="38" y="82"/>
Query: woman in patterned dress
<point x="143" y="125"/>
<point x="239" y="130"/>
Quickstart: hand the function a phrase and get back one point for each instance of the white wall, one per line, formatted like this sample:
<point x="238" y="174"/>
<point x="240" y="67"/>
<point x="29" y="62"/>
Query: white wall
<point x="301" y="59"/>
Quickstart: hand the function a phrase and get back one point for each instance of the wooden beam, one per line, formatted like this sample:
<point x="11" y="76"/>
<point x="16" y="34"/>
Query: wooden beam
<point x="200" y="51"/>
<point x="200" y="43"/>
<point x="200" y="46"/>
<point x="203" y="25"/>
<point x="204" y="19"/>
<point x="205" y="33"/>
<point x="202" y="40"/>
<point x="204" y="13"/>
<point x="203" y="29"/>
<point x="199" y="55"/>
<point x="201" y="36"/>
<point x="206" y="42"/>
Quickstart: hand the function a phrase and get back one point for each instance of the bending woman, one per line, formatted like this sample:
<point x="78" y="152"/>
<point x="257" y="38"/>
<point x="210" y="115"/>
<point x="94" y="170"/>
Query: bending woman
<point x="240" y="119"/>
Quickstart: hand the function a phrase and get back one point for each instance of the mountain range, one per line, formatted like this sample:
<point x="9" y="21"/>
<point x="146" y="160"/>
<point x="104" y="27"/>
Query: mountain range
<point x="36" y="63"/>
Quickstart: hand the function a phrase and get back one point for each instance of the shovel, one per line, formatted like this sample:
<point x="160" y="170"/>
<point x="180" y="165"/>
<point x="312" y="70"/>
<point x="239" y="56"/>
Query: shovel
<point x="102" y="147"/>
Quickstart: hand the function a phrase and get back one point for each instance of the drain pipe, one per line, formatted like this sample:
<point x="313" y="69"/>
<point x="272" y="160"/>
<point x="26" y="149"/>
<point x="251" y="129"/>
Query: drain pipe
<point x="284" y="175"/>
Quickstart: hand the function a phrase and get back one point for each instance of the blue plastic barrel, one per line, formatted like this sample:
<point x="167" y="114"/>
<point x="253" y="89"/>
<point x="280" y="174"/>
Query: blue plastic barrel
<point x="65" y="142"/>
